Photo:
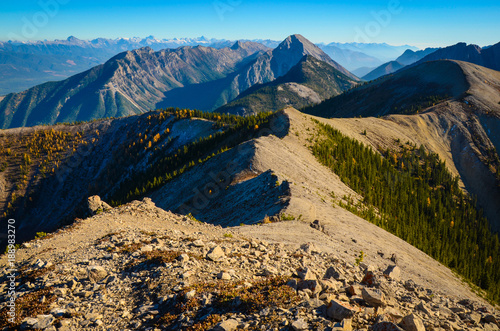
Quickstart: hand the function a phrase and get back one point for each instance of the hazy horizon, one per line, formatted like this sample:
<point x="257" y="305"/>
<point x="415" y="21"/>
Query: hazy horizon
<point x="395" y="22"/>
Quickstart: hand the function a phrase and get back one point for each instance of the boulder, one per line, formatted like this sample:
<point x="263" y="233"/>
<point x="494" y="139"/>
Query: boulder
<point x="215" y="254"/>
<point x="306" y="274"/>
<point x="96" y="273"/>
<point x="310" y="284"/>
<point x="491" y="327"/>
<point x="96" y="205"/>
<point x="43" y="322"/>
<point x="373" y="297"/>
<point x="345" y="325"/>
<point x="300" y="325"/>
<point x="317" y="226"/>
<point x="412" y="323"/>
<point x="223" y="275"/>
<point x="227" y="325"/>
<point x="339" y="311"/>
<point x="310" y="248"/>
<point x="392" y="272"/>
<point x="190" y="295"/>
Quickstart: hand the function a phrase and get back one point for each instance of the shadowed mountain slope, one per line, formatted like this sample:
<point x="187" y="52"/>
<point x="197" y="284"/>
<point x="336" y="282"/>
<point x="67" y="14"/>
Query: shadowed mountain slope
<point x="308" y="82"/>
<point x="485" y="57"/>
<point x="403" y="92"/>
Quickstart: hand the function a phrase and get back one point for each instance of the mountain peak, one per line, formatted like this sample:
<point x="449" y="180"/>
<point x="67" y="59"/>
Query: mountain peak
<point x="73" y="39"/>
<point x="237" y="45"/>
<point x="296" y="41"/>
<point x="294" y="47"/>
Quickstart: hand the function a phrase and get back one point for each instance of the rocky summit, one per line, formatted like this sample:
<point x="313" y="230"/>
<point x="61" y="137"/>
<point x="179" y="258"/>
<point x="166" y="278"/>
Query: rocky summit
<point x="138" y="267"/>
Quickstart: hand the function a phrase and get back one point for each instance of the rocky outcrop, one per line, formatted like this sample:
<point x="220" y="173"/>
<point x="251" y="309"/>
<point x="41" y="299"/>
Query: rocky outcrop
<point x="96" y="205"/>
<point x="170" y="272"/>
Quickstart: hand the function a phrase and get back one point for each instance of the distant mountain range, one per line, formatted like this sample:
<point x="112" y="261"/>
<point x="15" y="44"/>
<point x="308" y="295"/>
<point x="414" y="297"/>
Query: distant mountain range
<point x="350" y="59"/>
<point x="488" y="57"/>
<point x="407" y="58"/>
<point x="137" y="81"/>
<point x="26" y="64"/>
<point x="239" y="78"/>
<point x="384" y="52"/>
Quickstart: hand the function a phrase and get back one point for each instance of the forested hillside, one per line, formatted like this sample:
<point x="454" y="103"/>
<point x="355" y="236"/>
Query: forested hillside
<point x="411" y="194"/>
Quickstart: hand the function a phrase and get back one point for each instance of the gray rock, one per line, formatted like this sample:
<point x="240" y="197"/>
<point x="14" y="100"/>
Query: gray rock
<point x="476" y="317"/>
<point x="43" y="322"/>
<point x="330" y="285"/>
<point x="227" y="325"/>
<point x="96" y="273"/>
<point x="198" y="243"/>
<point x="306" y="274"/>
<point x="224" y="275"/>
<point x="146" y="248"/>
<point x="183" y="258"/>
<point x="310" y="248"/>
<point x="392" y="272"/>
<point x="423" y="308"/>
<point x="300" y="325"/>
<point x="215" y="254"/>
<point x="140" y="311"/>
<point x="339" y="311"/>
<point x="392" y="315"/>
<point x="444" y="311"/>
<point x="345" y="325"/>
<point x="373" y="297"/>
<point x="28" y="323"/>
<point x="490" y="319"/>
<point x="96" y="205"/>
<point x="318" y="226"/>
<point x="311" y="284"/>
<point x="412" y="323"/>
<point x="39" y="264"/>
<point x="189" y="295"/>
<point x="268" y="270"/>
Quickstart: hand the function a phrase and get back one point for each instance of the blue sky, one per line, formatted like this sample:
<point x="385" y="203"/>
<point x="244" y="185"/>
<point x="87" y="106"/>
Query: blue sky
<point x="397" y="22"/>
